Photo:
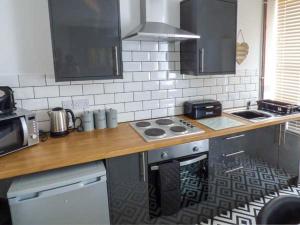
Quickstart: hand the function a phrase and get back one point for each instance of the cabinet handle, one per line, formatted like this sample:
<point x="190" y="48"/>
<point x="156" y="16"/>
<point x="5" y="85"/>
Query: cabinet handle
<point x="235" y="137"/>
<point x="233" y="154"/>
<point x="143" y="166"/>
<point x="202" y="60"/>
<point x="117" y="60"/>
<point x="233" y="170"/>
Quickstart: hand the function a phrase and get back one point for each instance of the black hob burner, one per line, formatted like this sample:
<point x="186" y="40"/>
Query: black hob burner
<point x="164" y="122"/>
<point x="143" y="124"/>
<point x="178" y="129"/>
<point x="155" y="132"/>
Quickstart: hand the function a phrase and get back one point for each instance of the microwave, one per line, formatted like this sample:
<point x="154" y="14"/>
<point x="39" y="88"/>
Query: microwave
<point x="18" y="130"/>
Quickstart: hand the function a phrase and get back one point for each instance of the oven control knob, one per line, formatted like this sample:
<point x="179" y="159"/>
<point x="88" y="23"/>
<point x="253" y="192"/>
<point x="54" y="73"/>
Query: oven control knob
<point x="196" y="149"/>
<point x="34" y="136"/>
<point x="164" y="155"/>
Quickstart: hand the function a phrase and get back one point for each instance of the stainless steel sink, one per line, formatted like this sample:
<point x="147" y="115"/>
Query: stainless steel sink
<point x="253" y="115"/>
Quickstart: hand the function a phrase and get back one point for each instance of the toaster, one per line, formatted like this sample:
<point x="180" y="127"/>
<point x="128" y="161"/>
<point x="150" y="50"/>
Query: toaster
<point x="7" y="101"/>
<point x="200" y="109"/>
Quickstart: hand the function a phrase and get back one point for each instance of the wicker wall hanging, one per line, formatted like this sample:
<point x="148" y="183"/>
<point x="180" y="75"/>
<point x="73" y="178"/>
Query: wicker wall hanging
<point x="242" y="49"/>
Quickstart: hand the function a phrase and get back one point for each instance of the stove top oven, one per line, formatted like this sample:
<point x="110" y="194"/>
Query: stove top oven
<point x="177" y="177"/>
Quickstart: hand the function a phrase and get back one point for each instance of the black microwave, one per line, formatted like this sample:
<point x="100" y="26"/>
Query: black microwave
<point x="18" y="130"/>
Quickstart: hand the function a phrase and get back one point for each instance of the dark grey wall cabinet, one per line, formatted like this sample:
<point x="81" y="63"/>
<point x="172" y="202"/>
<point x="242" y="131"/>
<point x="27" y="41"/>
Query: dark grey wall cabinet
<point x="128" y="189"/>
<point x="86" y="39"/>
<point x="216" y="22"/>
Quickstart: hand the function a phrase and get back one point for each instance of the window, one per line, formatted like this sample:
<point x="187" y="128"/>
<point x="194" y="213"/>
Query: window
<point x="287" y="69"/>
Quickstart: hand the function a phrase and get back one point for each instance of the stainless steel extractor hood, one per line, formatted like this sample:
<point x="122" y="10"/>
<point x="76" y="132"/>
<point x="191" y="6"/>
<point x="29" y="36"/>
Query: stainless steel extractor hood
<point x="159" y="22"/>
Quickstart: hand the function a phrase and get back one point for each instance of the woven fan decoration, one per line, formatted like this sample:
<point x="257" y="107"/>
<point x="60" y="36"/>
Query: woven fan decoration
<point x="242" y="49"/>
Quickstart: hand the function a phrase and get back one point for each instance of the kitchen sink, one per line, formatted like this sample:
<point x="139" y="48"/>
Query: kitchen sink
<point x="253" y="115"/>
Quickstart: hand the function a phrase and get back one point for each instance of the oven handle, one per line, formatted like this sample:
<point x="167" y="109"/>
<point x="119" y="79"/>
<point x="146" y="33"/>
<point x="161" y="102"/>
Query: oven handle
<point x="185" y="163"/>
<point x="25" y="131"/>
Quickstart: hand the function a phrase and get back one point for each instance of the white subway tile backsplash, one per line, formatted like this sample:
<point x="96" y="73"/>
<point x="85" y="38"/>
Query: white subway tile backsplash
<point x="204" y="91"/>
<point x="131" y="45"/>
<point x="23" y="93"/>
<point x="132" y="66"/>
<point x="158" y="56"/>
<point x="168" y="84"/>
<point x="133" y="86"/>
<point x="126" y="56"/>
<point x="141" y="76"/>
<point x="124" y="97"/>
<point x="104" y="99"/>
<point x="149" y="66"/>
<point x="149" y="46"/>
<point x="48" y="91"/>
<point x="209" y="82"/>
<point x="120" y="107"/>
<point x="166" y="46"/>
<point x="159" y="75"/>
<point x="159" y="94"/>
<point x="133" y="106"/>
<point x="124" y="117"/>
<point x="57" y="102"/>
<point x="142" y="115"/>
<point x="93" y="89"/>
<point x="167" y="103"/>
<point x="176" y="93"/>
<point x="32" y="80"/>
<point x="141" y="96"/>
<point x="9" y="80"/>
<point x="151" y="86"/>
<point x="166" y="66"/>
<point x="153" y="104"/>
<point x="197" y="83"/>
<point x="216" y="90"/>
<point x="182" y="83"/>
<point x="113" y="88"/>
<point x="189" y="92"/>
<point x="156" y="113"/>
<point x="70" y="90"/>
<point x="35" y="104"/>
<point x="140" y="56"/>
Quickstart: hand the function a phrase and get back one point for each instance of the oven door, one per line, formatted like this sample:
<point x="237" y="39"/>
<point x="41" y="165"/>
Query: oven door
<point x="13" y="135"/>
<point x="193" y="181"/>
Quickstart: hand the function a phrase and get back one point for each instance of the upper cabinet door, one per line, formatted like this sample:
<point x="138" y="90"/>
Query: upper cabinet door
<point x="216" y="23"/>
<point x="86" y="39"/>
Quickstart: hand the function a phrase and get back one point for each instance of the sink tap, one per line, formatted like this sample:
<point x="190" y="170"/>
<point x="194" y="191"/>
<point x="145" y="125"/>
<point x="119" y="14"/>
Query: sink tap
<point x="248" y="105"/>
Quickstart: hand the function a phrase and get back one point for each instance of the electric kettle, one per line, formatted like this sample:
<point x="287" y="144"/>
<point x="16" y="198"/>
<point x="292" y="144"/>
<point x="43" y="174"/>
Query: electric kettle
<point x="59" y="119"/>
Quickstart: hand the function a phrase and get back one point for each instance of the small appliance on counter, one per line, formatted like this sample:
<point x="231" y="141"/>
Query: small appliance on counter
<point x="7" y="101"/>
<point x="200" y="109"/>
<point x="59" y="119"/>
<point x="18" y="130"/>
<point x="281" y="108"/>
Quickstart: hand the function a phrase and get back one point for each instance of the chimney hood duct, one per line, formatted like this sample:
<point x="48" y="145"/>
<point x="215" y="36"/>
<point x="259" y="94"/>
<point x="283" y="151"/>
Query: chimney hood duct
<point x="156" y="19"/>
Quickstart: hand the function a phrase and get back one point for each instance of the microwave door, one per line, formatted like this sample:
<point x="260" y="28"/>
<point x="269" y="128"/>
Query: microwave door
<point x="13" y="135"/>
<point x="25" y="131"/>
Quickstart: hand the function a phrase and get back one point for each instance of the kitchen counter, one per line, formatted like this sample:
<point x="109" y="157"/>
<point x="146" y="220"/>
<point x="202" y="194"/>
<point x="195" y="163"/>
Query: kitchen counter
<point x="79" y="148"/>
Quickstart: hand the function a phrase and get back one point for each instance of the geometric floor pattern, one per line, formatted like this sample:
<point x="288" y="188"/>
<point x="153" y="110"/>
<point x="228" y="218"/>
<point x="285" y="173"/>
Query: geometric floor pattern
<point x="246" y="215"/>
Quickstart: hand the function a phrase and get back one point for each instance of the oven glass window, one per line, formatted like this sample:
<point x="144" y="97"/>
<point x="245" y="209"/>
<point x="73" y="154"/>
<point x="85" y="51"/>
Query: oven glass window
<point x="193" y="184"/>
<point x="11" y="135"/>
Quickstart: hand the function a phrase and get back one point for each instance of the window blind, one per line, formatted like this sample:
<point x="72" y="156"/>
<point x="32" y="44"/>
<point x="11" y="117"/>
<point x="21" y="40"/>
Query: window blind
<point x="287" y="83"/>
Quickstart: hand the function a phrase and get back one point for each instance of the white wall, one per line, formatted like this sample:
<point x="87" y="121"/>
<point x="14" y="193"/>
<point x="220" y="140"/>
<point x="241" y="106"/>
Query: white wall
<point x="25" y="43"/>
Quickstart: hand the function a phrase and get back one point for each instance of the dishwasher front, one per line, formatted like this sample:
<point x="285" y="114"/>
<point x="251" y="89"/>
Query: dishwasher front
<point x="72" y="196"/>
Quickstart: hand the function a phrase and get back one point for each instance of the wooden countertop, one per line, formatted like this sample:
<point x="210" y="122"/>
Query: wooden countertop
<point x="78" y="148"/>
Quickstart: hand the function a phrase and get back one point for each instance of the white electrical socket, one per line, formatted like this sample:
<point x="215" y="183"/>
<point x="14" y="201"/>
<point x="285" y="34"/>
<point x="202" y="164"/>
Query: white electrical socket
<point x="80" y="104"/>
<point x="67" y="104"/>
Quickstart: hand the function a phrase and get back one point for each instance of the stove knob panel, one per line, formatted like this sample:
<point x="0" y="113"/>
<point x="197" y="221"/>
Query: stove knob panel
<point x="164" y="155"/>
